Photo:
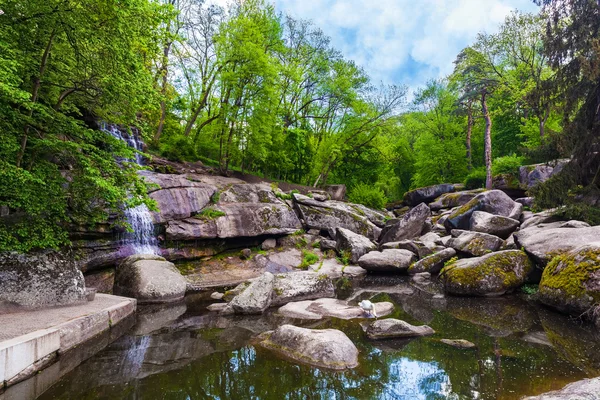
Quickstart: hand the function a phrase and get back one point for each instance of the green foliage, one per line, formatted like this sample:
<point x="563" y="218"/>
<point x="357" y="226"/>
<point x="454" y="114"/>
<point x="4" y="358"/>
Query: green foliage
<point x="209" y="213"/>
<point x="344" y="257"/>
<point x="285" y="196"/>
<point x="178" y="148"/>
<point x="476" y="179"/>
<point x="507" y="165"/>
<point x="215" y="197"/>
<point x="301" y="243"/>
<point x="308" y="258"/>
<point x="530" y="289"/>
<point x="368" y="195"/>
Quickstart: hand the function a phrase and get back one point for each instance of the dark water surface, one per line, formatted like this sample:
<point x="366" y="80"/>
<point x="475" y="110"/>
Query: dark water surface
<point x="184" y="352"/>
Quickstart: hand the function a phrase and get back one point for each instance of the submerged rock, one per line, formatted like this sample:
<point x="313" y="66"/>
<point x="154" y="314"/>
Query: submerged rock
<point x="459" y="343"/>
<point x="394" y="328"/>
<point x="433" y="263"/>
<point x="357" y="245"/>
<point x="256" y="298"/>
<point x="475" y="243"/>
<point x="324" y="348"/>
<point x="149" y="279"/>
<point x="490" y="275"/>
<point x="387" y="260"/>
<point x="410" y="226"/>
<point x="495" y="202"/>
<point x="497" y="225"/>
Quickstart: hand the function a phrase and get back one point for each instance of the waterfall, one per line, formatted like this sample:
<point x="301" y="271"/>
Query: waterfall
<point x="142" y="239"/>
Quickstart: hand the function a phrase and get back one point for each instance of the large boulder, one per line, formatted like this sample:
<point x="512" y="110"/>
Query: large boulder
<point x="353" y="243"/>
<point x="495" y="202"/>
<point x="409" y="227"/>
<point x="329" y="215"/>
<point x="318" y="309"/>
<point x="256" y="298"/>
<point x="417" y="247"/>
<point x="456" y="199"/>
<point x="498" y="225"/>
<point x="149" y="279"/>
<point x="40" y="280"/>
<point x="571" y="281"/>
<point x="543" y="244"/>
<point x="395" y="329"/>
<point x="297" y="286"/>
<point x="427" y="194"/>
<point x="391" y="260"/>
<point x="323" y="348"/>
<point x="531" y="175"/>
<point x="474" y="243"/>
<point x="433" y="263"/>
<point x="587" y="389"/>
<point x="490" y="275"/>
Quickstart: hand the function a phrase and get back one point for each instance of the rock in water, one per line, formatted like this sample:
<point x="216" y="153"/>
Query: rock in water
<point x="491" y="275"/>
<point x="587" y="389"/>
<point x="495" y="202"/>
<point x="410" y="226"/>
<point x="324" y="348"/>
<point x="40" y="280"/>
<point x="357" y="245"/>
<point x="395" y="328"/>
<point x="391" y="260"/>
<point x="298" y="286"/>
<point x="459" y="343"/>
<point x="149" y="279"/>
<point x="433" y="263"/>
<point x="256" y="298"/>
<point x="498" y="225"/>
<point x="571" y="281"/>
<point x="317" y="309"/>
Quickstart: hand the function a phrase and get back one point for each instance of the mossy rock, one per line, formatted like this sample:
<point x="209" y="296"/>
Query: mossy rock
<point x="433" y="263"/>
<point x="571" y="281"/>
<point x="491" y="275"/>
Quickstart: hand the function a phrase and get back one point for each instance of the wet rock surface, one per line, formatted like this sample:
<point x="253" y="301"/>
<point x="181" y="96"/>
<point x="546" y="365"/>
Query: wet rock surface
<point x="394" y="328"/>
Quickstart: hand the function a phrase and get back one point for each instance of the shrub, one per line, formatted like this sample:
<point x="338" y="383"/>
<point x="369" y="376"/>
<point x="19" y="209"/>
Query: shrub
<point x="209" y="214"/>
<point x="368" y="195"/>
<point x="178" y="148"/>
<point x="476" y="179"/>
<point x="308" y="259"/>
<point x="507" y="165"/>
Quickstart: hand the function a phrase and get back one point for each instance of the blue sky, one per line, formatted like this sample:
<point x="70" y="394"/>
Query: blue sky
<point x="403" y="41"/>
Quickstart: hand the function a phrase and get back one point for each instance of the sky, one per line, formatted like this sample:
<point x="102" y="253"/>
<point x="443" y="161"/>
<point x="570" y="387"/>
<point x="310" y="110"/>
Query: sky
<point x="403" y="41"/>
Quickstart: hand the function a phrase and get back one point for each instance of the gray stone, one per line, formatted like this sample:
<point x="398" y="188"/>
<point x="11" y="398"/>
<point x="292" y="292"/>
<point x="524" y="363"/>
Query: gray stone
<point x="459" y="343"/>
<point x="531" y="175"/>
<point x="500" y="226"/>
<point x="40" y="280"/>
<point x="427" y="194"/>
<point x="475" y="243"/>
<point x="256" y="298"/>
<point x="526" y="201"/>
<point x="245" y="254"/>
<point x="490" y="275"/>
<point x="410" y="226"/>
<point x="337" y="192"/>
<point x="543" y="244"/>
<point x="587" y="389"/>
<point x="269" y="244"/>
<point x="391" y="260"/>
<point x="302" y="285"/>
<point x="357" y="245"/>
<point x="323" y="348"/>
<point x="217" y="296"/>
<point x="495" y="202"/>
<point x="394" y="329"/>
<point x="334" y="269"/>
<point x="457" y="199"/>
<point x="149" y="279"/>
<point x="328" y="244"/>
<point x="433" y="263"/>
<point x="317" y="309"/>
<point x="422" y="278"/>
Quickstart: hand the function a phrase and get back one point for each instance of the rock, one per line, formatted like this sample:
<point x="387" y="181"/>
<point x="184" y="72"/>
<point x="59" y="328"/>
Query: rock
<point x="269" y="244"/>
<point x="494" y="202"/>
<point x="587" y="389"/>
<point x="475" y="243"/>
<point x="509" y="244"/>
<point x="103" y="281"/>
<point x="543" y="244"/>
<point x="410" y="226"/>
<point x="497" y="225"/>
<point x="433" y="263"/>
<point x="387" y="261"/>
<point x="509" y="184"/>
<point x="571" y="281"/>
<point x="357" y="245"/>
<point x="320" y="308"/>
<point x="395" y="328"/>
<point x="149" y="279"/>
<point x="531" y="175"/>
<point x="298" y="286"/>
<point x="245" y="254"/>
<point x="459" y="343"/>
<point x="490" y="275"/>
<point x="323" y="348"/>
<point x="427" y="194"/>
<point x="416" y="247"/>
<point x="217" y="296"/>
<point x="457" y="199"/>
<point x="336" y="192"/>
<point x="334" y="269"/>
<point x="230" y="294"/>
<point x="544" y="217"/>
<point x="328" y="244"/>
<point x="430" y="239"/>
<point x="526" y="201"/>
<point x="422" y="278"/>
<point x="217" y="307"/>
<point x="331" y="214"/>
<point x="256" y="298"/>
<point x="38" y="280"/>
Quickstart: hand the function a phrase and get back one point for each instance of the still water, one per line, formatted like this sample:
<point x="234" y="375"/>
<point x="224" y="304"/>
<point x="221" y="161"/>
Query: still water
<point x="184" y="352"/>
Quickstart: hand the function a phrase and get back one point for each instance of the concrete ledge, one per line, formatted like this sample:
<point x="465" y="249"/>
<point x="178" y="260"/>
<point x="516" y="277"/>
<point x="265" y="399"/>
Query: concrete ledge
<point x="24" y="355"/>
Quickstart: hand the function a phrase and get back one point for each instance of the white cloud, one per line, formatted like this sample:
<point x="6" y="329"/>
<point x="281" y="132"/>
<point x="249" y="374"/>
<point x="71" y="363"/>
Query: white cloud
<point x="391" y="35"/>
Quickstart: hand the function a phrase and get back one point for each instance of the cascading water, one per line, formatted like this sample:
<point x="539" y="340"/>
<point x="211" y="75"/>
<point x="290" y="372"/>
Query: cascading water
<point x="142" y="239"/>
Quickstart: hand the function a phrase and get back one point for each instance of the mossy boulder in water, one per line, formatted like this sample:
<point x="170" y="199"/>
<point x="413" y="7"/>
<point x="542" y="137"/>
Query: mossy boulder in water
<point x="490" y="275"/>
<point x="433" y="263"/>
<point x="571" y="281"/>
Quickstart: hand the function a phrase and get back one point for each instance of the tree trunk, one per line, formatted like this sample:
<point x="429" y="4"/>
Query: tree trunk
<point x="469" y="133"/>
<point x="488" y="142"/>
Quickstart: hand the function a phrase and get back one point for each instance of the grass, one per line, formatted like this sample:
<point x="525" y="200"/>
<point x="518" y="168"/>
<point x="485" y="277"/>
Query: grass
<point x="308" y="259"/>
<point x="209" y="214"/>
<point x="344" y="257"/>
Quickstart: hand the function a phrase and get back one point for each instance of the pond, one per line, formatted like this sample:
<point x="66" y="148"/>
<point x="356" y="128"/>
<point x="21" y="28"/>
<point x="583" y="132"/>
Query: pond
<point x="182" y="351"/>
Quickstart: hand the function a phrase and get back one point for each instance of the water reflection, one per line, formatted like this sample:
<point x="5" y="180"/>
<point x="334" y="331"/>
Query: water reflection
<point x="187" y="353"/>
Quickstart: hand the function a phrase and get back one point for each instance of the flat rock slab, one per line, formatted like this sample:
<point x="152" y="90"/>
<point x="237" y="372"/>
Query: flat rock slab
<point x="587" y="389"/>
<point x="334" y="269"/>
<point x="459" y="343"/>
<point x="318" y="309"/>
<point x="395" y="329"/>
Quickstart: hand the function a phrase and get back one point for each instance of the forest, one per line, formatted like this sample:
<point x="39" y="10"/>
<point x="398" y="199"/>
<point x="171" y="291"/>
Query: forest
<point x="248" y="89"/>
